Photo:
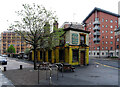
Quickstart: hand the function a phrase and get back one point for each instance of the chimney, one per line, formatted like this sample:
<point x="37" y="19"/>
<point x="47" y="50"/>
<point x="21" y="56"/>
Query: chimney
<point x="55" y="24"/>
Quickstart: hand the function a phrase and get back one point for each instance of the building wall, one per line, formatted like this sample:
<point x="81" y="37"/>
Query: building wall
<point x="8" y="38"/>
<point x="105" y="43"/>
<point x="69" y="37"/>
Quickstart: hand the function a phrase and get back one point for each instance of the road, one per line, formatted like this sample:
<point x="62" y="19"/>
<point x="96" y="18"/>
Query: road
<point x="107" y="62"/>
<point x="99" y="72"/>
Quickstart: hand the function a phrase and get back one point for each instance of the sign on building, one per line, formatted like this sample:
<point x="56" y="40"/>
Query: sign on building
<point x="74" y="38"/>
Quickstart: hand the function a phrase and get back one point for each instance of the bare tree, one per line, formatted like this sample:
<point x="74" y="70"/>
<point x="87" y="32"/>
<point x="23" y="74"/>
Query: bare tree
<point x="32" y="23"/>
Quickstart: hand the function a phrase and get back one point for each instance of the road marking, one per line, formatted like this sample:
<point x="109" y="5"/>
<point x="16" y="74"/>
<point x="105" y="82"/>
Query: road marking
<point x="107" y="66"/>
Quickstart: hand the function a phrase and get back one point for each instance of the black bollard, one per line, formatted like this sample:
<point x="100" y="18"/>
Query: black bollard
<point x="4" y="68"/>
<point x="20" y="66"/>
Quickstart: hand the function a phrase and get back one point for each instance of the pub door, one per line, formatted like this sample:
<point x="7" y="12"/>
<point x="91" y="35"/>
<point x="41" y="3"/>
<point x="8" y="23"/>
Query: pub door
<point x="82" y="57"/>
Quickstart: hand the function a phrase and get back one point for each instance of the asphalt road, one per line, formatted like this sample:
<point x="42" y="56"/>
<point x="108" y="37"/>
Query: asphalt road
<point x="97" y="73"/>
<point x="108" y="62"/>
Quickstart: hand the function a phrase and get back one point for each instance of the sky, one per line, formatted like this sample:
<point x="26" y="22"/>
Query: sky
<point x="66" y="10"/>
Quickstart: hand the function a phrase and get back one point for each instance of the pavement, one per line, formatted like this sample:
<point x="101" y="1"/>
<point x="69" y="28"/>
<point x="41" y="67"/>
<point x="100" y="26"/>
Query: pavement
<point x="84" y="76"/>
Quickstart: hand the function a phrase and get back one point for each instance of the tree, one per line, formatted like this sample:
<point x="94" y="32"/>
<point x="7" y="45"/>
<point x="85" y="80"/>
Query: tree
<point x="31" y="26"/>
<point x="27" y="51"/>
<point x="11" y="49"/>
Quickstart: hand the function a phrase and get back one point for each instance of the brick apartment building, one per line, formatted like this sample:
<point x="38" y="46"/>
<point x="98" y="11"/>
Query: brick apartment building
<point x="117" y="34"/>
<point x="10" y="37"/>
<point x="101" y="24"/>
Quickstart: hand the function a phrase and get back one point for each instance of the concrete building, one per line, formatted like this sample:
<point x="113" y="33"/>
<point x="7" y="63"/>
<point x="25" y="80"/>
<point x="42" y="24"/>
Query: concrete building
<point x="11" y="38"/>
<point x="101" y="24"/>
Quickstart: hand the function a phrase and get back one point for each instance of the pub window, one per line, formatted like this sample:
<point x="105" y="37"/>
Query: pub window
<point x="82" y="39"/>
<point x="75" y="55"/>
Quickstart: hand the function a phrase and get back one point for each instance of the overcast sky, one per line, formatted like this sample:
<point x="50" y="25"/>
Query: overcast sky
<point x="66" y="10"/>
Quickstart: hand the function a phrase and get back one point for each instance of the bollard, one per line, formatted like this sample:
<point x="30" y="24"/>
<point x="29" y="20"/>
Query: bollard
<point x="50" y="78"/>
<point x="57" y="72"/>
<point x="62" y="69"/>
<point x="4" y="68"/>
<point x="20" y="66"/>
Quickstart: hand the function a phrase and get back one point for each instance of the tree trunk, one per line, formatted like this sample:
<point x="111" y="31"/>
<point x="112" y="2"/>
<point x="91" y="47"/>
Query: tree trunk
<point x="35" y="57"/>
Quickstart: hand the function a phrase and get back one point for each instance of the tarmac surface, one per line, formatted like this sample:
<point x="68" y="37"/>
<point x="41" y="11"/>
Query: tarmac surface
<point x="84" y="76"/>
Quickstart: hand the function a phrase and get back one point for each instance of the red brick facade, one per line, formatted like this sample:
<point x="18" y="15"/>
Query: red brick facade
<point x="108" y="23"/>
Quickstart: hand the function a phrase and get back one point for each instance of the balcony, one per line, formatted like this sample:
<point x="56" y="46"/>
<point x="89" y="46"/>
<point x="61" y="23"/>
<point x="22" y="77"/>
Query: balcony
<point x="96" y="21"/>
<point x="96" y="33"/>
<point x="96" y="39"/>
<point x="96" y="28"/>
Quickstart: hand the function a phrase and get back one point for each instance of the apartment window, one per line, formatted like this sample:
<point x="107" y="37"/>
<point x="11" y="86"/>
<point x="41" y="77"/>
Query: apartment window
<point x="102" y="31"/>
<point x="111" y="26"/>
<point x="106" y="26"/>
<point x="102" y="19"/>
<point x="102" y="36"/>
<point x="115" y="26"/>
<point x="106" y="20"/>
<point x="102" y="48"/>
<point x="102" y="25"/>
<point x="111" y="32"/>
<point x="118" y="39"/>
<point x="117" y="53"/>
<point x="106" y="31"/>
<point x="18" y="45"/>
<point x="98" y="48"/>
<point x="4" y="44"/>
<point x="106" y="42"/>
<point x="106" y="36"/>
<point x="111" y="37"/>
<point x="106" y="47"/>
<point x="102" y="42"/>
<point x="18" y="41"/>
<point x="111" y="21"/>
<point x="116" y="21"/>
<point x="82" y="39"/>
<point x="106" y="53"/>
<point x="102" y="53"/>
<point x="111" y="48"/>
<point x="94" y="48"/>
<point x="111" y="42"/>
<point x="97" y="53"/>
<point x="117" y="46"/>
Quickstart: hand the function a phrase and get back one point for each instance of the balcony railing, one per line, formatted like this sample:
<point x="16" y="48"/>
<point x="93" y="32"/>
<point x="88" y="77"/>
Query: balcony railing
<point x="96" y="39"/>
<point x="96" y="28"/>
<point x="96" y="33"/>
<point x="96" y="21"/>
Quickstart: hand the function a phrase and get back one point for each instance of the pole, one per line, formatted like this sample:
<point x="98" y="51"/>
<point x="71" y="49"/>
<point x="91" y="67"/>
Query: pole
<point x="115" y="45"/>
<point x="99" y="51"/>
<point x="57" y="72"/>
<point x="38" y="74"/>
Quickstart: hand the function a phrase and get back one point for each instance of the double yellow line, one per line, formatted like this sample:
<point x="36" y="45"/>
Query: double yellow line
<point x="107" y="66"/>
